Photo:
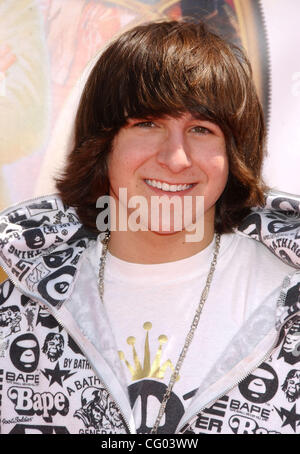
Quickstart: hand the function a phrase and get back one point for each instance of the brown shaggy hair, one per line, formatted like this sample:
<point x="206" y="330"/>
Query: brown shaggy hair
<point x="168" y="68"/>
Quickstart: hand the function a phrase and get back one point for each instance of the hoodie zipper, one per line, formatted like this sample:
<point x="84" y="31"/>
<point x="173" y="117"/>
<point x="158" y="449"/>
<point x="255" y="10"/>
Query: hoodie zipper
<point x="242" y="378"/>
<point x="39" y="302"/>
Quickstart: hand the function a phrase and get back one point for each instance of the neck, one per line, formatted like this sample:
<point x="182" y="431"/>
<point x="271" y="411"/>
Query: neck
<point x="151" y="247"/>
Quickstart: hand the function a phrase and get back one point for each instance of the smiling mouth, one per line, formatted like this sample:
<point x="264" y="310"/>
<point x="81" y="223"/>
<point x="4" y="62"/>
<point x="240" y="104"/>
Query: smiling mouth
<point x="168" y="187"/>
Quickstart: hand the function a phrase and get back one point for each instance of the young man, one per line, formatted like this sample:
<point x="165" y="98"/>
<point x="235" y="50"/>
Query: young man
<point x="149" y="331"/>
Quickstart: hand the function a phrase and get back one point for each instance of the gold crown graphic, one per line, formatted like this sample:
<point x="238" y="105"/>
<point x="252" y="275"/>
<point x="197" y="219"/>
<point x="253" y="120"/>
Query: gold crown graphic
<point x="154" y="370"/>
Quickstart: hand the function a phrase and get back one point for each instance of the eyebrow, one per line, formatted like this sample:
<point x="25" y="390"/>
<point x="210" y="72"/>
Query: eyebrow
<point x="199" y="116"/>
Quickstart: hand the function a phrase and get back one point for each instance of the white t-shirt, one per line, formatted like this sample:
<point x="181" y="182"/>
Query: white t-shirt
<point x="151" y="308"/>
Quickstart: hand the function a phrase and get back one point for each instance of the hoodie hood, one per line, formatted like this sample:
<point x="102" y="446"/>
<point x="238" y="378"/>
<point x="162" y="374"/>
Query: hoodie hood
<point x="41" y="241"/>
<point x="277" y="226"/>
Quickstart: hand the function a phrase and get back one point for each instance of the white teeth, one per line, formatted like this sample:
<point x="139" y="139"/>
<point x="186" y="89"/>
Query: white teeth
<point x="168" y="187"/>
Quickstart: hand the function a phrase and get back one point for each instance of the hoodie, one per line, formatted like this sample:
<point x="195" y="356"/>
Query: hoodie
<point x="59" y="366"/>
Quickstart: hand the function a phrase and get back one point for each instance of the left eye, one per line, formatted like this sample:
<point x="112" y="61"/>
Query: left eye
<point x="200" y="130"/>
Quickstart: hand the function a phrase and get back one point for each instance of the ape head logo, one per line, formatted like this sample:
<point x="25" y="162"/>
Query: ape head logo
<point x="25" y="353"/>
<point x="54" y="288"/>
<point x="260" y="386"/>
<point x="57" y="259"/>
<point x="34" y="238"/>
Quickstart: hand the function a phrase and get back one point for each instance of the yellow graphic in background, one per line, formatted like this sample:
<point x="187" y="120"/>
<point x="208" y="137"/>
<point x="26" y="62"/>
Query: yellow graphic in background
<point x="3" y="275"/>
<point x="24" y="86"/>
<point x="154" y="370"/>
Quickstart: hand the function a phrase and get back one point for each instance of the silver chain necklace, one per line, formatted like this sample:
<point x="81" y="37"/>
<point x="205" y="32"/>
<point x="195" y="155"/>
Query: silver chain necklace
<point x="190" y="334"/>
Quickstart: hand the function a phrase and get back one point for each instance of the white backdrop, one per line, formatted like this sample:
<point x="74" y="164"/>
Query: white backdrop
<point x="282" y="166"/>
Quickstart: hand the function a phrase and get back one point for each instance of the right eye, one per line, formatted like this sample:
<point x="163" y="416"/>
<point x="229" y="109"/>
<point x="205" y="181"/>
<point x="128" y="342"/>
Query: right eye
<point x="144" y="124"/>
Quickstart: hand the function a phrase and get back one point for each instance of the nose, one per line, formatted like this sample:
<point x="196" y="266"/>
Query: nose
<point x="173" y="152"/>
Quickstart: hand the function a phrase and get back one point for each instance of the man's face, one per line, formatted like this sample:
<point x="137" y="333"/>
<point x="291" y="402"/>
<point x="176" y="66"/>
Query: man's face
<point x="186" y="153"/>
<point x="293" y="387"/>
<point x="292" y="343"/>
<point x="96" y="413"/>
<point x="53" y="345"/>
